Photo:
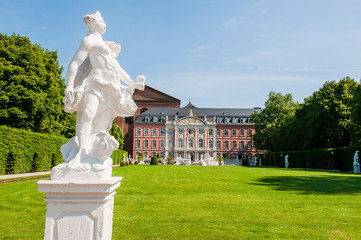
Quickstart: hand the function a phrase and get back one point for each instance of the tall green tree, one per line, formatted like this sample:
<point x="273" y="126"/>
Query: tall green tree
<point x="326" y="115"/>
<point x="31" y="88"/>
<point x="278" y="110"/>
<point x="118" y="134"/>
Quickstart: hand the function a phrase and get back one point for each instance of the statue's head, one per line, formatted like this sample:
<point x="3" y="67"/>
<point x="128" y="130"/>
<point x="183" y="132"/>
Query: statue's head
<point x="95" y="22"/>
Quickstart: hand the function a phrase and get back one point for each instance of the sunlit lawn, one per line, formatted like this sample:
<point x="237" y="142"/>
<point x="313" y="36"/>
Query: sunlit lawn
<point x="221" y="202"/>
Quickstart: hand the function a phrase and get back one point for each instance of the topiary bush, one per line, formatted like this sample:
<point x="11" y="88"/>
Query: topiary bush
<point x="154" y="161"/>
<point x="245" y="161"/>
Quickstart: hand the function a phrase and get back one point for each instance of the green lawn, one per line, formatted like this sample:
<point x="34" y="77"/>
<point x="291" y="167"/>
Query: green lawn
<point x="222" y="202"/>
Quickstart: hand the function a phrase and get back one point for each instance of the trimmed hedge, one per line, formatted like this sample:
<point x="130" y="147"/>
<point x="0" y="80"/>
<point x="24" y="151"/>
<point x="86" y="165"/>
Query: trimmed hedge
<point x="332" y="158"/>
<point x="23" y="151"/>
<point x="118" y="156"/>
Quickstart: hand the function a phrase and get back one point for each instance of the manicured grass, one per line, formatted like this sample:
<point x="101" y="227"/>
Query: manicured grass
<point x="223" y="202"/>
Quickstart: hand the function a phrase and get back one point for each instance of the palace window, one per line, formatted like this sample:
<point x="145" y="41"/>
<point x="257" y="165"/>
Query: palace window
<point x="191" y="131"/>
<point x="170" y="143"/>
<point x="138" y="132"/>
<point x="162" y="131"/>
<point x="154" y="154"/>
<point x="250" y="145"/>
<point x="180" y="142"/>
<point x="235" y="156"/>
<point x="241" y="132"/>
<point x="218" y="132"/>
<point x="146" y="119"/>
<point x="146" y="131"/>
<point x="146" y="144"/>
<point x="201" y="143"/>
<point x="226" y="132"/>
<point x="161" y="143"/>
<point x="211" y="143"/>
<point x="180" y="131"/>
<point x="250" y="133"/>
<point x="154" y="132"/>
<point x="210" y="132"/>
<point x="162" y="119"/>
<point x="155" y="119"/>
<point x="226" y="145"/>
<point x="241" y="145"/>
<point x="218" y="120"/>
<point x="154" y="144"/>
<point x="234" y="120"/>
<point x="190" y="142"/>
<point x="227" y="155"/>
<point x="162" y="155"/>
<point x="234" y="145"/>
<point x="201" y="131"/>
<point x="170" y="132"/>
<point x="234" y="132"/>
<point x="137" y="144"/>
<point x="146" y="155"/>
<point x="218" y="145"/>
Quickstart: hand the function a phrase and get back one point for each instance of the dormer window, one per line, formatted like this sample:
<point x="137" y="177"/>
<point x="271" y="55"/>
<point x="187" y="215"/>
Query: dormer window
<point x="218" y="119"/>
<point x="234" y="120"/>
<point x="162" y="119"/>
<point x="155" y="119"/>
<point x="146" y="119"/>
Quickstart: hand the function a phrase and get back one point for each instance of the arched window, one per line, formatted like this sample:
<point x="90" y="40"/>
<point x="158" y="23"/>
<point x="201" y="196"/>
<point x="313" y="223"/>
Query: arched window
<point x="155" y="119"/>
<point x="234" y="145"/>
<point x="146" y="144"/>
<point x="137" y="144"/>
<point x="146" y="119"/>
<point x="226" y="145"/>
<point x="190" y="142"/>
<point x="201" y="143"/>
<point x="226" y="132"/>
<point x="180" y="142"/>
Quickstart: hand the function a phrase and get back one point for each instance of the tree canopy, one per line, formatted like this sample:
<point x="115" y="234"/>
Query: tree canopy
<point x="31" y="88"/>
<point x="330" y="117"/>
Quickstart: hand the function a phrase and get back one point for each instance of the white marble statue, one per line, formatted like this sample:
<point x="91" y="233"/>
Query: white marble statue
<point x="286" y="161"/>
<point x="95" y="92"/>
<point x="356" y="163"/>
<point x="255" y="160"/>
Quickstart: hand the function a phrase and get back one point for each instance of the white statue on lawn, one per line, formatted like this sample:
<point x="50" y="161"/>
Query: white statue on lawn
<point x="286" y="161"/>
<point x="95" y="93"/>
<point x="356" y="164"/>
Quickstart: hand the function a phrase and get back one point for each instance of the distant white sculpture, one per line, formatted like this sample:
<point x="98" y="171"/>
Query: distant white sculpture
<point x="95" y="93"/>
<point x="356" y="164"/>
<point x="203" y="163"/>
<point x="255" y="160"/>
<point x="286" y="161"/>
<point x="124" y="158"/>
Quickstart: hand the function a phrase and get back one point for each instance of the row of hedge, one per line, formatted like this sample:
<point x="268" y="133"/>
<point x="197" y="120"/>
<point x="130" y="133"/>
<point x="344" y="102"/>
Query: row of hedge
<point x="118" y="156"/>
<point x="332" y="158"/>
<point x="22" y="151"/>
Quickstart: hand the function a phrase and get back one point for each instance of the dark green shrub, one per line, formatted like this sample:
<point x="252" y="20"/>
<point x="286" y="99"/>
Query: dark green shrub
<point x="122" y="164"/>
<point x="154" y="161"/>
<point x="135" y="162"/>
<point x="245" y="162"/>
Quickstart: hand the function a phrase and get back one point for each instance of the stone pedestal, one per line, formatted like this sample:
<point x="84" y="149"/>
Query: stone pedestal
<point x="79" y="209"/>
<point x="356" y="167"/>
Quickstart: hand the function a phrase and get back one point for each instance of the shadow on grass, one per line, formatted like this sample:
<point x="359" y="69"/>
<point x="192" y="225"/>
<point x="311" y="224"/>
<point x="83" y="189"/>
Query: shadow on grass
<point x="313" y="184"/>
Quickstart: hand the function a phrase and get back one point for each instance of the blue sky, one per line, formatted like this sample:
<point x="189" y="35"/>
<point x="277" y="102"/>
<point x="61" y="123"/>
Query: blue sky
<point x="219" y="53"/>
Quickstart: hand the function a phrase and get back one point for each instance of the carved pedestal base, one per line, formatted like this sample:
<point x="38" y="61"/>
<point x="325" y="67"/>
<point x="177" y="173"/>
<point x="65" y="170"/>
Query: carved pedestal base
<point x="79" y="210"/>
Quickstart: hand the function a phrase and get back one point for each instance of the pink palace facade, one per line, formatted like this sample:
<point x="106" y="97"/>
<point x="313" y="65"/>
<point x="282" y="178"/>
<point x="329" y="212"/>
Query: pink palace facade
<point x="194" y="133"/>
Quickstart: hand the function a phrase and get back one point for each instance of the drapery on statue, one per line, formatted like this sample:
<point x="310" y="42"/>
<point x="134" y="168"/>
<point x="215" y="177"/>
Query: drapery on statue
<point x="95" y="93"/>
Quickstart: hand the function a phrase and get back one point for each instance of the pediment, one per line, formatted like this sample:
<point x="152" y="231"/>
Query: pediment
<point x="190" y="121"/>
